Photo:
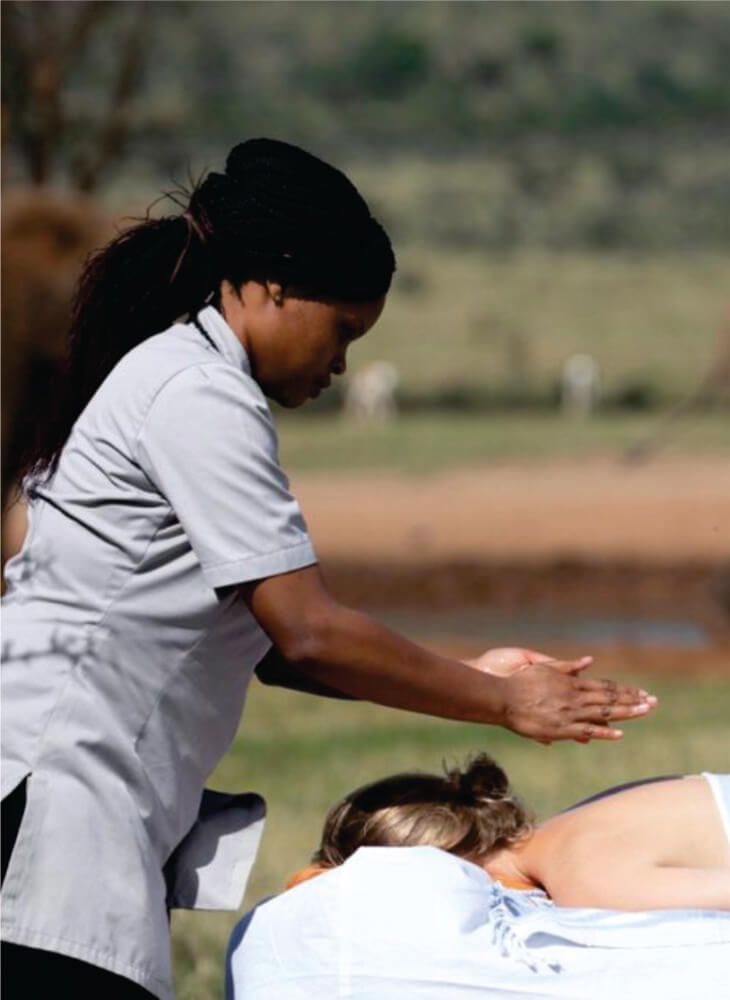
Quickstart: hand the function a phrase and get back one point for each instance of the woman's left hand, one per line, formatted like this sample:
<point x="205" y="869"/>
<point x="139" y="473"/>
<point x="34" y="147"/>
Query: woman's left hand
<point x="504" y="661"/>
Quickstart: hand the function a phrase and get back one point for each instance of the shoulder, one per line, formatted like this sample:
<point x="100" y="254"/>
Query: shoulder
<point x="210" y="394"/>
<point x="175" y="351"/>
<point x="178" y="368"/>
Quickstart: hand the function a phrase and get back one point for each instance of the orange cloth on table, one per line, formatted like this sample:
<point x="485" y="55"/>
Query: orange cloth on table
<point x="305" y="874"/>
<point x="516" y="883"/>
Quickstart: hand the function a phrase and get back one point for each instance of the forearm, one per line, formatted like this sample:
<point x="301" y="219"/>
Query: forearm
<point x="350" y="652"/>
<point x="276" y="671"/>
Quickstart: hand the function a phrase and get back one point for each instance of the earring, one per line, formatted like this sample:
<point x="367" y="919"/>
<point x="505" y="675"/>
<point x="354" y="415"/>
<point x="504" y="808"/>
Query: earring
<point x="278" y="296"/>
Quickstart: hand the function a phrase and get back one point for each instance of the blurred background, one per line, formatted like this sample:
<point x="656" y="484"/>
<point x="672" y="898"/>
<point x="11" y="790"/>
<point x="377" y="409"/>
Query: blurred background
<point x="532" y="446"/>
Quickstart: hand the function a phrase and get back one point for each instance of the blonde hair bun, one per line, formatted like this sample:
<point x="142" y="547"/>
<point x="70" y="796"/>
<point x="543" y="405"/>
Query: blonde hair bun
<point x="481" y="779"/>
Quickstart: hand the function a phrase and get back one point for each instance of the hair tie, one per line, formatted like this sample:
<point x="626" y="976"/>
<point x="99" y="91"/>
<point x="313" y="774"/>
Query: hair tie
<point x="193" y="227"/>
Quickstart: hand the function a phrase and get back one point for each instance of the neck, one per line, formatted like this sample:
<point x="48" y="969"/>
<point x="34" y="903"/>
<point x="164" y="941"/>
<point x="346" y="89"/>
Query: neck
<point x="231" y="309"/>
<point x="513" y="864"/>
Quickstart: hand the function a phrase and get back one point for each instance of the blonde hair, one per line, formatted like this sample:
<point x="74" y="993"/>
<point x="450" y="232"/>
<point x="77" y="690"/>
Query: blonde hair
<point x="470" y="813"/>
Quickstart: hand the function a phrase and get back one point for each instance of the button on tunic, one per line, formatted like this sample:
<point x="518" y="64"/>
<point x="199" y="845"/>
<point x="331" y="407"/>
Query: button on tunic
<point x="126" y="661"/>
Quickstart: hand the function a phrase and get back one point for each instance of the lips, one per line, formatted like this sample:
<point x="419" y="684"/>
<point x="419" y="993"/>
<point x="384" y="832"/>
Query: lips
<point x="319" y="386"/>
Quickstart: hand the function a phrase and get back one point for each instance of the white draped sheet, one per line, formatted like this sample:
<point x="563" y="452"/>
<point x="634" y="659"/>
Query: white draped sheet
<point x="419" y="924"/>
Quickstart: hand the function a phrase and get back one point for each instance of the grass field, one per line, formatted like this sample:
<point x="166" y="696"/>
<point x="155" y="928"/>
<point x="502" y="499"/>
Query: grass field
<point x="435" y="441"/>
<point x="303" y="753"/>
<point x="469" y="317"/>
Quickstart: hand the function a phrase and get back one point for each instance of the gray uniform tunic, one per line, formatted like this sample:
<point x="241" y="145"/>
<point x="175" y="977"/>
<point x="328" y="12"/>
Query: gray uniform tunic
<point x="125" y="665"/>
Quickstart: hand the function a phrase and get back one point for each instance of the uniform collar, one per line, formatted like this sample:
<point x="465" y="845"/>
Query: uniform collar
<point x="223" y="338"/>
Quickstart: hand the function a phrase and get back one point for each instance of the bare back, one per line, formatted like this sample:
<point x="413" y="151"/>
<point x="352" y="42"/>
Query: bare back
<point x="655" y="845"/>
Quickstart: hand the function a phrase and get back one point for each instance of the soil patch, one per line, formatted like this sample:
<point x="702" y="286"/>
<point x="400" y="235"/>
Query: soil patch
<point x="589" y="538"/>
<point x="671" y="510"/>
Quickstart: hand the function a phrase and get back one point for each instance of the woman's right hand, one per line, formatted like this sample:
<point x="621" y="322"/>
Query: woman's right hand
<point x="553" y="701"/>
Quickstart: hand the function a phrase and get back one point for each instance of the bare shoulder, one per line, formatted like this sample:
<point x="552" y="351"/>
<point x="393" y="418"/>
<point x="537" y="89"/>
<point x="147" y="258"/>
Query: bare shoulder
<point x="685" y="802"/>
<point x="673" y="823"/>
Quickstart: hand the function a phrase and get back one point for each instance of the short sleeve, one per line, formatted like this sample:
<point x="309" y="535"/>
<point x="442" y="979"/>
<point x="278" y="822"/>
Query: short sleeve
<point x="208" y="444"/>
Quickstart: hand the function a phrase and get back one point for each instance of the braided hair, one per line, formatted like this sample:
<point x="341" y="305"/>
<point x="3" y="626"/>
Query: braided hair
<point x="277" y="213"/>
<point x="469" y="812"/>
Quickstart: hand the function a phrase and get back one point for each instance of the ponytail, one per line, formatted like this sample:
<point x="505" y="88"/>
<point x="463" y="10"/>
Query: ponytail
<point x="136" y="286"/>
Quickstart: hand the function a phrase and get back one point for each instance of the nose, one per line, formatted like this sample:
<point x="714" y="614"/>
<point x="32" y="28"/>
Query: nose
<point x="339" y="365"/>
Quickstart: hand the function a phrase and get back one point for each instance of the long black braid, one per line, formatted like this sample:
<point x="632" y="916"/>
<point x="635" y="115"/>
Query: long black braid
<point x="277" y="213"/>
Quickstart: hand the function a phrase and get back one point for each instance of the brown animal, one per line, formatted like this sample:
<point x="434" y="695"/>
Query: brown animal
<point x="45" y="239"/>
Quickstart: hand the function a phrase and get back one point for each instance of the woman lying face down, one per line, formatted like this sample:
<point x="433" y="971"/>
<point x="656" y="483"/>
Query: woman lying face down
<point x="663" y="843"/>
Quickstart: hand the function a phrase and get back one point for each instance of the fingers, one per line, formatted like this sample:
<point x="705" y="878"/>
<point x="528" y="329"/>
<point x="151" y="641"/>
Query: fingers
<point x="534" y="656"/>
<point x="569" y="666"/>
<point x="584" y="732"/>
<point x="606" y="701"/>
<point x="596" y="723"/>
<point x="581" y="732"/>
<point x="611" y="693"/>
<point x="606" y="704"/>
<point x="603" y="714"/>
<point x="548" y="704"/>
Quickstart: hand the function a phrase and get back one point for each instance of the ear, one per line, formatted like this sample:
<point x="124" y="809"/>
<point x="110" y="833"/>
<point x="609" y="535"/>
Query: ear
<point x="228" y="290"/>
<point x="276" y="292"/>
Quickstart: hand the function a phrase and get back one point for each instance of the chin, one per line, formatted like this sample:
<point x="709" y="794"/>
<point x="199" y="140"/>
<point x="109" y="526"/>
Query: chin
<point x="289" y="394"/>
<point x="289" y="400"/>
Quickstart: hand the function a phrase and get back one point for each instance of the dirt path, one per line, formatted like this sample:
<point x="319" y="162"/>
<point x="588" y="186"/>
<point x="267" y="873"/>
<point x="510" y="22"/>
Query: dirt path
<point x="673" y="509"/>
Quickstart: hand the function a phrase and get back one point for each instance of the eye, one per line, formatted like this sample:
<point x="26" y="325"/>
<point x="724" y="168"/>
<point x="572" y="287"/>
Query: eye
<point x="349" y="332"/>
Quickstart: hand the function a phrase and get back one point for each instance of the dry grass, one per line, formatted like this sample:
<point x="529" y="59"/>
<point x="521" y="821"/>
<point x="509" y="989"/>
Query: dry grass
<point x="434" y="442"/>
<point x="490" y="319"/>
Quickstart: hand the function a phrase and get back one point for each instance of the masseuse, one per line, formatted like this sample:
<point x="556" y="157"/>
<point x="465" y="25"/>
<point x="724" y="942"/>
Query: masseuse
<point x="166" y="559"/>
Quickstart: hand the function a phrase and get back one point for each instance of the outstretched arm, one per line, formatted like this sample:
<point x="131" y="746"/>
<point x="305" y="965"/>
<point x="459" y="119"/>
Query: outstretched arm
<point x="346" y="651"/>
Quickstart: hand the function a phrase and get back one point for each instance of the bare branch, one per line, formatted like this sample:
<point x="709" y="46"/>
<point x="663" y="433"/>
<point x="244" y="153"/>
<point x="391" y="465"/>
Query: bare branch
<point x="114" y="131"/>
<point x="89" y="15"/>
<point x="42" y="57"/>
